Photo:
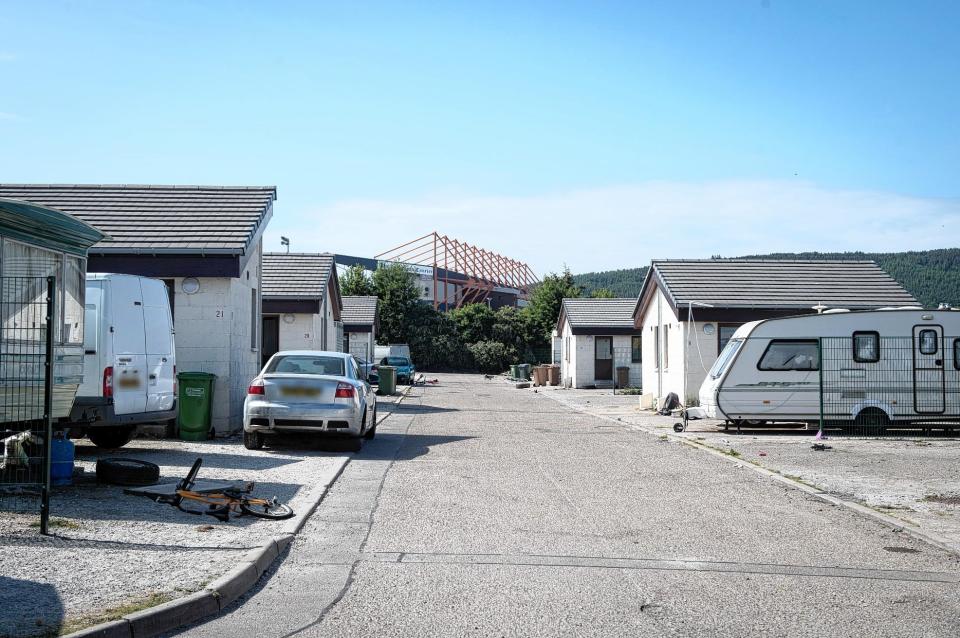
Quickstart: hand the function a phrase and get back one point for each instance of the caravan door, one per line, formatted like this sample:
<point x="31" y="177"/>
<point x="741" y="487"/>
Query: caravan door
<point x="929" y="390"/>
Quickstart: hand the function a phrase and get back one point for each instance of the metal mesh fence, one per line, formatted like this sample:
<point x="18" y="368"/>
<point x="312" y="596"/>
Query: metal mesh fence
<point x="26" y="392"/>
<point x="872" y="386"/>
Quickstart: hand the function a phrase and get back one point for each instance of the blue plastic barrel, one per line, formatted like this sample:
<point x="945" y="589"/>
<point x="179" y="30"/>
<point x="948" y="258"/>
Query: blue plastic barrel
<point x="61" y="467"/>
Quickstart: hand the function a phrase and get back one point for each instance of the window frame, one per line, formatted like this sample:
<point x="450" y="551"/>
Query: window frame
<point x="936" y="340"/>
<point x="666" y="347"/>
<point x="636" y="352"/>
<point x="720" y="327"/>
<point x="656" y="347"/>
<point x="865" y="333"/>
<point x="780" y="341"/>
<point x="956" y="352"/>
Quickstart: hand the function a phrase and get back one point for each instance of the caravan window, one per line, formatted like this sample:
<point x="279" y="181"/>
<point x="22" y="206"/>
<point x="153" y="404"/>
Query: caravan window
<point x="866" y="347"/>
<point x="956" y="354"/>
<point x="784" y="354"/>
<point x="928" y="342"/>
<point x="723" y="361"/>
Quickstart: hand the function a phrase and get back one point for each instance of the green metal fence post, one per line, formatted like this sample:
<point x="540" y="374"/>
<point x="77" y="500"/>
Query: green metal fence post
<point x="48" y="406"/>
<point x="820" y="367"/>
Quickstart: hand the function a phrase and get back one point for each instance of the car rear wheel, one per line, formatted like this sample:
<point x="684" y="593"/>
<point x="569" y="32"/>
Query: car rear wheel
<point x="371" y="426"/>
<point x="112" y="436"/>
<point x="252" y="440"/>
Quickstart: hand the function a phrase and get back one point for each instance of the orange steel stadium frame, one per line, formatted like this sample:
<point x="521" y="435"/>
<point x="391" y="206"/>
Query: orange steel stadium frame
<point x="477" y="271"/>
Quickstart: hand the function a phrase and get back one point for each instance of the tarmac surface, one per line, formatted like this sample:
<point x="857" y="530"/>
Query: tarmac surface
<point x="483" y="510"/>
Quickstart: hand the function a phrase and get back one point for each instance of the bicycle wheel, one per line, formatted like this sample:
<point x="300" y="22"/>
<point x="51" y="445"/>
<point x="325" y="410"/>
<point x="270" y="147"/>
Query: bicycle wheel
<point x="273" y="510"/>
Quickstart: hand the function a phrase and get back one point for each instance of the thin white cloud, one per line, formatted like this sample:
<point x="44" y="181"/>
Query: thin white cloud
<point x="626" y="226"/>
<point x="8" y="116"/>
<point x="7" y="57"/>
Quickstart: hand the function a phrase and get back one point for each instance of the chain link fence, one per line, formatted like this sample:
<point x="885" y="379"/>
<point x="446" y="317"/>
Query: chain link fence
<point x="873" y="386"/>
<point x="27" y="308"/>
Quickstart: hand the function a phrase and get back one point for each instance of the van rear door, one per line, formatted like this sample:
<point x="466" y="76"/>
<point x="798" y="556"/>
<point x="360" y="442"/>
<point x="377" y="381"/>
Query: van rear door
<point x="158" y="324"/>
<point x="129" y="347"/>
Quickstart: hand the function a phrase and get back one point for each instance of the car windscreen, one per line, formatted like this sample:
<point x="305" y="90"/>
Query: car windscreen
<point x="725" y="358"/>
<point x="305" y="364"/>
<point x="395" y="361"/>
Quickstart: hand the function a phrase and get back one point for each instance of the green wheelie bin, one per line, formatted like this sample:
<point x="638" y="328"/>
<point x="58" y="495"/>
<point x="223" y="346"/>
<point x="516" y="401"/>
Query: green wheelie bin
<point x="387" y="383"/>
<point x="195" y="402"/>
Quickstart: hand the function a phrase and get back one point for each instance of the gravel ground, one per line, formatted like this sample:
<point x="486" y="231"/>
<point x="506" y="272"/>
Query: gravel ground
<point x="916" y="480"/>
<point x="109" y="549"/>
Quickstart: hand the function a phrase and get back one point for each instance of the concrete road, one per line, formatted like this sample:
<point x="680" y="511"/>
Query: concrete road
<point x="481" y="510"/>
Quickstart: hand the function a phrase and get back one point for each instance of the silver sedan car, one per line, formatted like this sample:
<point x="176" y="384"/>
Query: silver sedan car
<point x="309" y="391"/>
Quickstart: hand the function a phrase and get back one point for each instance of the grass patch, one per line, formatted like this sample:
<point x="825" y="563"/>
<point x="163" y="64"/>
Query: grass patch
<point x="629" y="391"/>
<point x="63" y="523"/>
<point x="731" y="452"/>
<point x="114" y="613"/>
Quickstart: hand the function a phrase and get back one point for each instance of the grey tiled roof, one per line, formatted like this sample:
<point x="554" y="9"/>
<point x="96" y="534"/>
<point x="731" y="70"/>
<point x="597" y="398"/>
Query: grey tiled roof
<point x="143" y="218"/>
<point x="359" y="311"/>
<point x="296" y="275"/>
<point x="599" y="313"/>
<point x="755" y="283"/>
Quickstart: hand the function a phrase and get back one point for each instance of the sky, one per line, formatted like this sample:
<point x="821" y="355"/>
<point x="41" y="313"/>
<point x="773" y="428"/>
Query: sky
<point x="591" y="135"/>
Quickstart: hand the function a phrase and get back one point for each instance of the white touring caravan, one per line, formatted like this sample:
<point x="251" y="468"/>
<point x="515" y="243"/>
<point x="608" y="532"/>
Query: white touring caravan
<point x="883" y="367"/>
<point x="129" y="365"/>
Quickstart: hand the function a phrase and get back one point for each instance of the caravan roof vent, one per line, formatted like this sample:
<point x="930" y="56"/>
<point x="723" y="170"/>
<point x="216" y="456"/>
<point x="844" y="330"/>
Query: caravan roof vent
<point x="835" y="311"/>
<point x="910" y="308"/>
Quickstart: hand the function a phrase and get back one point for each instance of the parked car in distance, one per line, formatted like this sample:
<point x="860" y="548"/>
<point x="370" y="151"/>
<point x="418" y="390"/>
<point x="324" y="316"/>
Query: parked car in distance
<point x="129" y="362"/>
<point x="316" y="392"/>
<point x="365" y="367"/>
<point x="405" y="369"/>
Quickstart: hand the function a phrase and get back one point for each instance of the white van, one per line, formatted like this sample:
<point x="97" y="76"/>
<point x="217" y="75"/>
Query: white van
<point x="879" y="367"/>
<point x="129" y="365"/>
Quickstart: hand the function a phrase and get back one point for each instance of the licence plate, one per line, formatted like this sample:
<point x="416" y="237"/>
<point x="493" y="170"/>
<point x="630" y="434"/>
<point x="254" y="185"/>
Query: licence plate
<point x="129" y="382"/>
<point x="299" y="392"/>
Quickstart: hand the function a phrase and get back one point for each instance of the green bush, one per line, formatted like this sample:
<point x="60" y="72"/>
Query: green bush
<point x="492" y="357"/>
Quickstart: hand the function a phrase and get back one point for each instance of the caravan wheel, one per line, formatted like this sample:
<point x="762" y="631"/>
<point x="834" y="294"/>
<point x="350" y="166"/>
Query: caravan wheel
<point x="873" y="418"/>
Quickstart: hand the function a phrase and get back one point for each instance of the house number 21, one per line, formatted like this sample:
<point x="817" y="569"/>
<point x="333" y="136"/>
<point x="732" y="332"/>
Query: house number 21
<point x="219" y="314"/>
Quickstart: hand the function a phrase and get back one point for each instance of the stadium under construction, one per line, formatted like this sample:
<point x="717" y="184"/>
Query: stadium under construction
<point x="451" y="273"/>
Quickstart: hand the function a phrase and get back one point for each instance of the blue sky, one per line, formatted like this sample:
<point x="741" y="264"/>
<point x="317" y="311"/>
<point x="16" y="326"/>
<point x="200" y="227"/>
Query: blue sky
<point x="597" y="135"/>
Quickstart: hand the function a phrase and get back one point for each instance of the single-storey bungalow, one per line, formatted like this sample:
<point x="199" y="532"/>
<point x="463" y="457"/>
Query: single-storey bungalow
<point x="687" y="310"/>
<point x="205" y="243"/>
<point x="301" y="303"/>
<point x="360" y="322"/>
<point x="597" y="336"/>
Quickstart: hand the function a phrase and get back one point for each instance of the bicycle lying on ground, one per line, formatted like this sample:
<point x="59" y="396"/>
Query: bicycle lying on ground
<point x="214" y="498"/>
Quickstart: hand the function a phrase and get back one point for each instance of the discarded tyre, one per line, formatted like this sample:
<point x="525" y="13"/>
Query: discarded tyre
<point x="127" y="472"/>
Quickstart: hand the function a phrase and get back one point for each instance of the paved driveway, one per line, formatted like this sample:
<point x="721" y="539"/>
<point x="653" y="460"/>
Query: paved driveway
<point x="482" y="510"/>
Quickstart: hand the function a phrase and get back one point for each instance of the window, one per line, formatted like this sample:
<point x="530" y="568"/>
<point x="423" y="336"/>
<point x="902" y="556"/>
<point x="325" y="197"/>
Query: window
<point x="656" y="347"/>
<point x="866" y="347"/>
<point x="254" y="315"/>
<point x="725" y="334"/>
<point x="636" y="351"/>
<point x="723" y="361"/>
<point x="74" y="287"/>
<point x="666" y="347"/>
<point x="566" y="349"/>
<point x="956" y="354"/>
<point x="784" y="354"/>
<point x="928" y="342"/>
<point x="301" y="364"/>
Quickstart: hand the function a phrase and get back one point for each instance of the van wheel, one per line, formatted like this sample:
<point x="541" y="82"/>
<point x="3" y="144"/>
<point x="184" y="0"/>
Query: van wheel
<point x="252" y="440"/>
<point x="110" y="437"/>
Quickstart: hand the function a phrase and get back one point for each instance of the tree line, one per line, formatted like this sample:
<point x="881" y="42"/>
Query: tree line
<point x="472" y="337"/>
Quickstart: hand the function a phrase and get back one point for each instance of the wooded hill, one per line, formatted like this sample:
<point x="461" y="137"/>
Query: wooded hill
<point x="932" y="276"/>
